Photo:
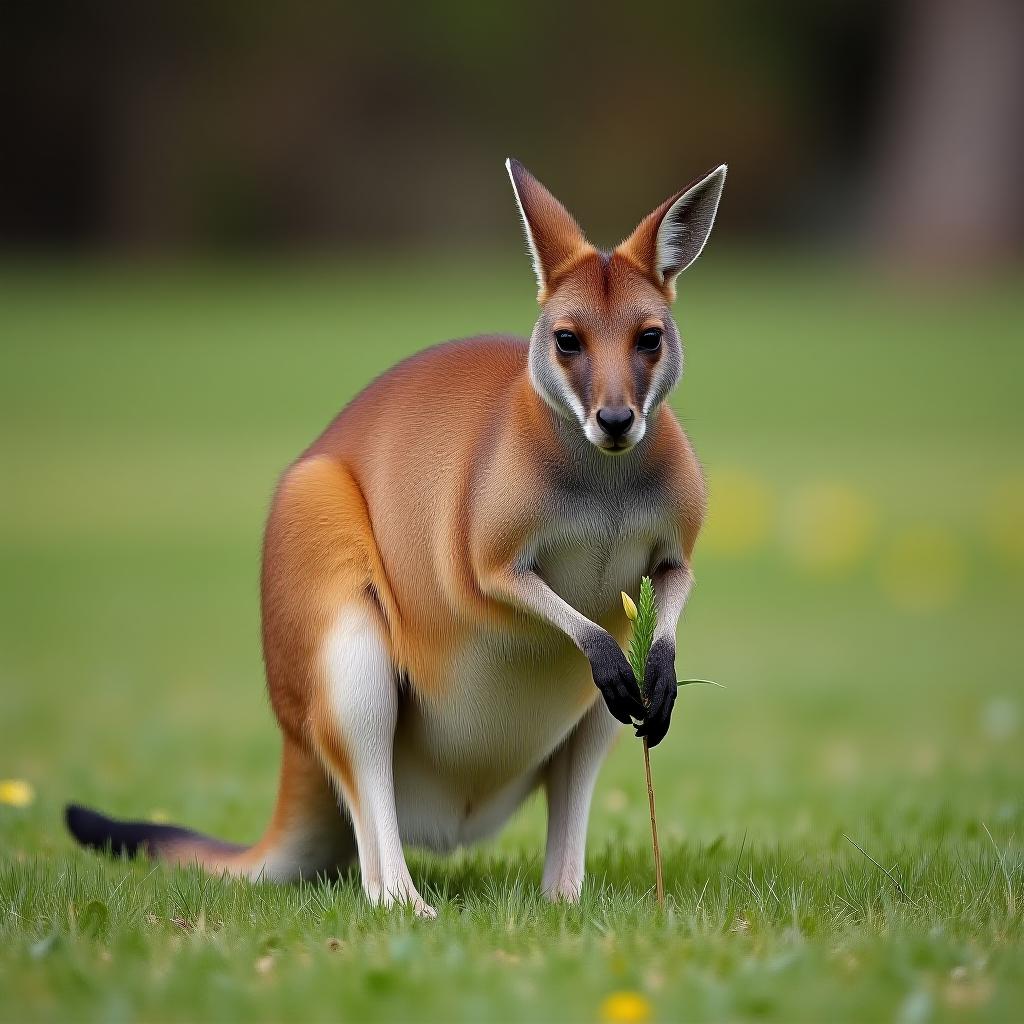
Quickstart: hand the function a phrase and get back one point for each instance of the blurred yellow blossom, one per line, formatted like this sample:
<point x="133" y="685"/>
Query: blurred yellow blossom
<point x="16" y="792"/>
<point x="841" y="760"/>
<point x="1004" y="519"/>
<point x="828" y="526"/>
<point x="616" y="801"/>
<point x="625" y="1008"/>
<point x="922" y="569"/>
<point x="159" y="816"/>
<point x="739" y="513"/>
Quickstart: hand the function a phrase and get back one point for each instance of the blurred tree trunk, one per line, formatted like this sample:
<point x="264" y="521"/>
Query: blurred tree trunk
<point x="947" y="179"/>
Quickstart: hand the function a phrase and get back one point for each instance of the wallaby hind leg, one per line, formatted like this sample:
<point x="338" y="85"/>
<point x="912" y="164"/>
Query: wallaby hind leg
<point x="354" y="729"/>
<point x="329" y="657"/>
<point x="308" y="834"/>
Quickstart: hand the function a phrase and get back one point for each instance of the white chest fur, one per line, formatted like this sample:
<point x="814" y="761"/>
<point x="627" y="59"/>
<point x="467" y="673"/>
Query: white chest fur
<point x="597" y="545"/>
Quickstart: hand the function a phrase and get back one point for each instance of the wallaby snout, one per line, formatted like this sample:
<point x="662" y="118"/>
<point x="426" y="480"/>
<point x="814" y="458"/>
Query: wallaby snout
<point x="616" y="421"/>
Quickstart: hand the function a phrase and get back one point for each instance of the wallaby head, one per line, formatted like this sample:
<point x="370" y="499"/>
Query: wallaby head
<point x="605" y="351"/>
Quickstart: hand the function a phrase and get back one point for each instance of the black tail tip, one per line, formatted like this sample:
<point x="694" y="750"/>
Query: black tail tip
<point x="88" y="827"/>
<point x="122" y="838"/>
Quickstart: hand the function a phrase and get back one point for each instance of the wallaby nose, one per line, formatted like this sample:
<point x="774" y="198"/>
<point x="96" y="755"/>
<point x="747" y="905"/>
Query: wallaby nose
<point x="615" y="421"/>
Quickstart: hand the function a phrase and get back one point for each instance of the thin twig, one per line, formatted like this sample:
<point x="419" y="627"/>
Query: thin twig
<point x="659" y="879"/>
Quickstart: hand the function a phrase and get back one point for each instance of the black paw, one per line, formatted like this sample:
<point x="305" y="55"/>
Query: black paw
<point x="614" y="677"/>
<point x="660" y="688"/>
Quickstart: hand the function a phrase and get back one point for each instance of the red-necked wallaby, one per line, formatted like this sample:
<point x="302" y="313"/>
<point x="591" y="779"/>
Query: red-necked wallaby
<point x="442" y="568"/>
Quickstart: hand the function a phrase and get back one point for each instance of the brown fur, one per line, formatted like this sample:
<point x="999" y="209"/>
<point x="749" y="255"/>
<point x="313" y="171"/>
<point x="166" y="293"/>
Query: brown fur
<point x="416" y="500"/>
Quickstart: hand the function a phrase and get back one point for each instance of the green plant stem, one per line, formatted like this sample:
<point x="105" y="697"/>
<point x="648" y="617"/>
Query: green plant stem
<point x="658" y="877"/>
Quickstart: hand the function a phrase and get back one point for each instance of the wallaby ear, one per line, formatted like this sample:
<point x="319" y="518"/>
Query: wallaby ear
<point x="554" y="238"/>
<point x="668" y="240"/>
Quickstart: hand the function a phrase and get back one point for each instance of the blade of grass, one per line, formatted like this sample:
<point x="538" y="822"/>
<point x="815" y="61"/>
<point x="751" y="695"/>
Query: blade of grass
<point x="892" y="878"/>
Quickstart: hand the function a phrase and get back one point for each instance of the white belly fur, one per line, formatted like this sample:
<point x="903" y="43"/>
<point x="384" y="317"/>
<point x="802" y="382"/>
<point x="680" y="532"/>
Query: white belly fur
<point x="463" y="767"/>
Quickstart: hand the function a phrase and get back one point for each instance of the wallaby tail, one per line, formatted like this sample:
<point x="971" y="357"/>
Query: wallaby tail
<point x="307" y="835"/>
<point x="161" y="842"/>
<point x="169" y="843"/>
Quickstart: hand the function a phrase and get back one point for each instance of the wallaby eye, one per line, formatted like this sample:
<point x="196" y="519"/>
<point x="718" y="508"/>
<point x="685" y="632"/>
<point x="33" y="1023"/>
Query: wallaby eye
<point x="566" y="342"/>
<point x="649" y="340"/>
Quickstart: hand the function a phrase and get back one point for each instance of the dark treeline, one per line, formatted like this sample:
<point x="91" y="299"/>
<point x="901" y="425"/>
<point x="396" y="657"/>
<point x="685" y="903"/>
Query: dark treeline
<point x="260" y="124"/>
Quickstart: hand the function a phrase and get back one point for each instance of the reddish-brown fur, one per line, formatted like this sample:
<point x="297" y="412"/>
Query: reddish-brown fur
<point x="416" y="499"/>
<point x="408" y="532"/>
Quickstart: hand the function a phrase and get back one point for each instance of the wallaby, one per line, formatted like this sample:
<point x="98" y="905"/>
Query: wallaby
<point x="442" y="568"/>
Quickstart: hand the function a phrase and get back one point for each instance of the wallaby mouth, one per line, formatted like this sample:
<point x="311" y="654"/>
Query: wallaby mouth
<point x="612" y="445"/>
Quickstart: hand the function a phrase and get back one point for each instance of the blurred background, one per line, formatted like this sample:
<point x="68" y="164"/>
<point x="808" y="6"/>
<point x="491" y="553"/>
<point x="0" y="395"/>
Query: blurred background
<point x="218" y="222"/>
<point x="267" y="128"/>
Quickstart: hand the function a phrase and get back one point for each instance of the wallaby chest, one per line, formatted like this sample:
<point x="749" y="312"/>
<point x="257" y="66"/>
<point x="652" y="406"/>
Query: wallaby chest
<point x="599" y="541"/>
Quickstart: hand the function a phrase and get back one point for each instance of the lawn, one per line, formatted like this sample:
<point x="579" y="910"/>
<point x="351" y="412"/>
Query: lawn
<point x="842" y="826"/>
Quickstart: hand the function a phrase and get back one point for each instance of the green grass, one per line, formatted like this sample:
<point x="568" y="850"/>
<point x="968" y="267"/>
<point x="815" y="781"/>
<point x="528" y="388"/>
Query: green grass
<point x="841" y="826"/>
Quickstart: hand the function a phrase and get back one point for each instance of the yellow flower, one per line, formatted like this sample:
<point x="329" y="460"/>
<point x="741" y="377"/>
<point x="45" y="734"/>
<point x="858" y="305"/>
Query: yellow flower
<point x="828" y="527"/>
<point x="630" y="608"/>
<point x="16" y="792"/>
<point x="740" y="514"/>
<point x="1004" y="519"/>
<point x="625" y="1008"/>
<point x="922" y="569"/>
<point x="159" y="816"/>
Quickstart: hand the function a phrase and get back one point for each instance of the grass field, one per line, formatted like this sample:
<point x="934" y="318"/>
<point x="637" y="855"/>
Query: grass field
<point x="842" y="825"/>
